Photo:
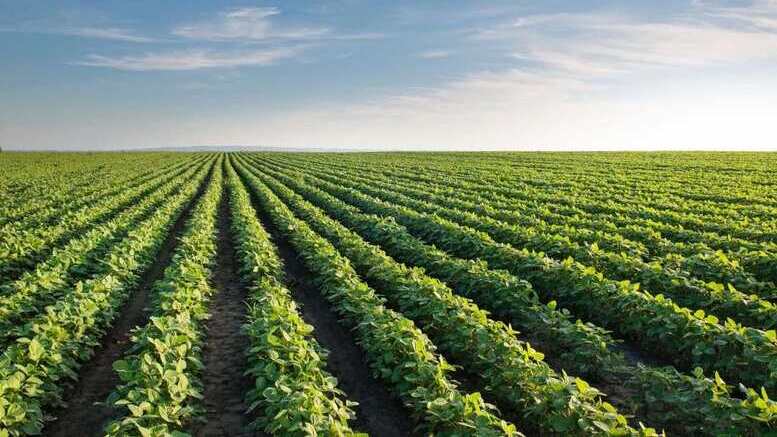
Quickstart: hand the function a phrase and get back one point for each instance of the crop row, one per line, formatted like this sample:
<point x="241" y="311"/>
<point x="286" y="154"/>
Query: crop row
<point x="714" y="298"/>
<point x="605" y="189"/>
<point x="554" y="209"/>
<point x="293" y="390"/>
<point x="636" y="241"/>
<point x="692" y="404"/>
<point x="22" y="250"/>
<point x="35" y="370"/>
<point x="43" y="195"/>
<point x="160" y="389"/>
<point x="686" y="338"/>
<point x="684" y="176"/>
<point x="398" y="352"/>
<point x="510" y="369"/>
<point x="31" y="212"/>
<point x="50" y="280"/>
<point x="576" y="238"/>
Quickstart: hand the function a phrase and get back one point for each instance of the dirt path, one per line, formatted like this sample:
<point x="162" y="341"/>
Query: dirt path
<point x="379" y="413"/>
<point x="225" y="385"/>
<point x="82" y="417"/>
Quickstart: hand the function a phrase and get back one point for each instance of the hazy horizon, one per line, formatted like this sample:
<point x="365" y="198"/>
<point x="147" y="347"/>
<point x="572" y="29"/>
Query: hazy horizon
<point x="369" y="75"/>
<point x="378" y="149"/>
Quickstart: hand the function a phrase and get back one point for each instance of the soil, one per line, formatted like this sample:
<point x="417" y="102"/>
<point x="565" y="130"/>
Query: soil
<point x="634" y="355"/>
<point x="468" y="382"/>
<point x="85" y="413"/>
<point x="379" y="413"/>
<point x="223" y="355"/>
<point x="612" y="385"/>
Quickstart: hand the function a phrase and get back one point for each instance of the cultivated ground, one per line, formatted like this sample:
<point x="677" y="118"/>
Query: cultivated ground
<point x="393" y="294"/>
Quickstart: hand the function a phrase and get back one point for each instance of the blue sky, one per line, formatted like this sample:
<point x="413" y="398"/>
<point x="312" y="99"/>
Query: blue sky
<point x="399" y="74"/>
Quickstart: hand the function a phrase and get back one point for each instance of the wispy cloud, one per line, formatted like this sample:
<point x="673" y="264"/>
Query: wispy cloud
<point x="246" y="37"/>
<point x="112" y="33"/>
<point x="516" y="108"/>
<point x="561" y="61"/>
<point x="759" y="15"/>
<point x="435" y="54"/>
<point x="252" y="24"/>
<point x="355" y="36"/>
<point x="255" y="25"/>
<point x="108" y="33"/>
<point x="593" y="45"/>
<point x="192" y="59"/>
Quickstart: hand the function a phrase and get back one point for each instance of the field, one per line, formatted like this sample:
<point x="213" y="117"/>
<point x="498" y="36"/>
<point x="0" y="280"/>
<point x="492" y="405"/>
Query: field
<point x="391" y="294"/>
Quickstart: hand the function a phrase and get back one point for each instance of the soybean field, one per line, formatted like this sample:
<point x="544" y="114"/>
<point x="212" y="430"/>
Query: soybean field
<point x="388" y="294"/>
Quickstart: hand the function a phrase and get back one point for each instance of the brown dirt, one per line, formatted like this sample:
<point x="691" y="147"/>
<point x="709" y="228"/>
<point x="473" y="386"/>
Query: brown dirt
<point x="224" y="384"/>
<point x="379" y="413"/>
<point x="85" y="414"/>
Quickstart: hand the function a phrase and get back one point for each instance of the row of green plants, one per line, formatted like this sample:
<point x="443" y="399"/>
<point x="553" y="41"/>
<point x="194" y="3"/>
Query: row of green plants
<point x="698" y="259"/>
<point x="686" y="404"/>
<point x="41" y="209"/>
<point x="36" y="370"/>
<point x="602" y="186"/>
<point x="293" y="391"/>
<point x="688" y="339"/>
<point x="22" y="250"/>
<point x="742" y="253"/>
<point x="397" y="351"/>
<point x="637" y="239"/>
<point x="681" y="176"/>
<point x="44" y="169"/>
<point x="674" y="260"/>
<point x="692" y="241"/>
<point x="511" y="370"/>
<point x="584" y="346"/>
<point x="714" y="298"/>
<point x="160" y="388"/>
<point x="707" y="216"/>
<point x="39" y="195"/>
<point x="78" y="259"/>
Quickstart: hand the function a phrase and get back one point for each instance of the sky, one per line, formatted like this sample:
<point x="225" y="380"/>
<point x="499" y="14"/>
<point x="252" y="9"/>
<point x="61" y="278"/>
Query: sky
<point x="342" y="74"/>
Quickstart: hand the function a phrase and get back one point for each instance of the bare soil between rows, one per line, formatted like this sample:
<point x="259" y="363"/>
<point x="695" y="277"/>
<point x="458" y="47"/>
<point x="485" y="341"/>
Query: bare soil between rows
<point x="379" y="412"/>
<point x="612" y="385"/>
<point x="84" y="413"/>
<point x="224" y="354"/>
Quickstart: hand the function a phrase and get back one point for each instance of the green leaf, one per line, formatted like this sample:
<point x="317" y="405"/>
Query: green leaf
<point x="35" y="350"/>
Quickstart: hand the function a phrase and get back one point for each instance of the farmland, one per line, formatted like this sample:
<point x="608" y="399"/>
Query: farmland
<point x="389" y="294"/>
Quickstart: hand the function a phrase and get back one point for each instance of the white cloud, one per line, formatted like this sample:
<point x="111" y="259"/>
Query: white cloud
<point x="234" y="27"/>
<point x="518" y="109"/>
<point x="567" y="93"/>
<point x="109" y="33"/>
<point x="191" y="59"/>
<point x="592" y="45"/>
<point x="435" y="54"/>
<point x="251" y="24"/>
<point x="491" y="110"/>
<point x="759" y="14"/>
<point x="112" y="33"/>
<point x="255" y="24"/>
<point x="597" y="80"/>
